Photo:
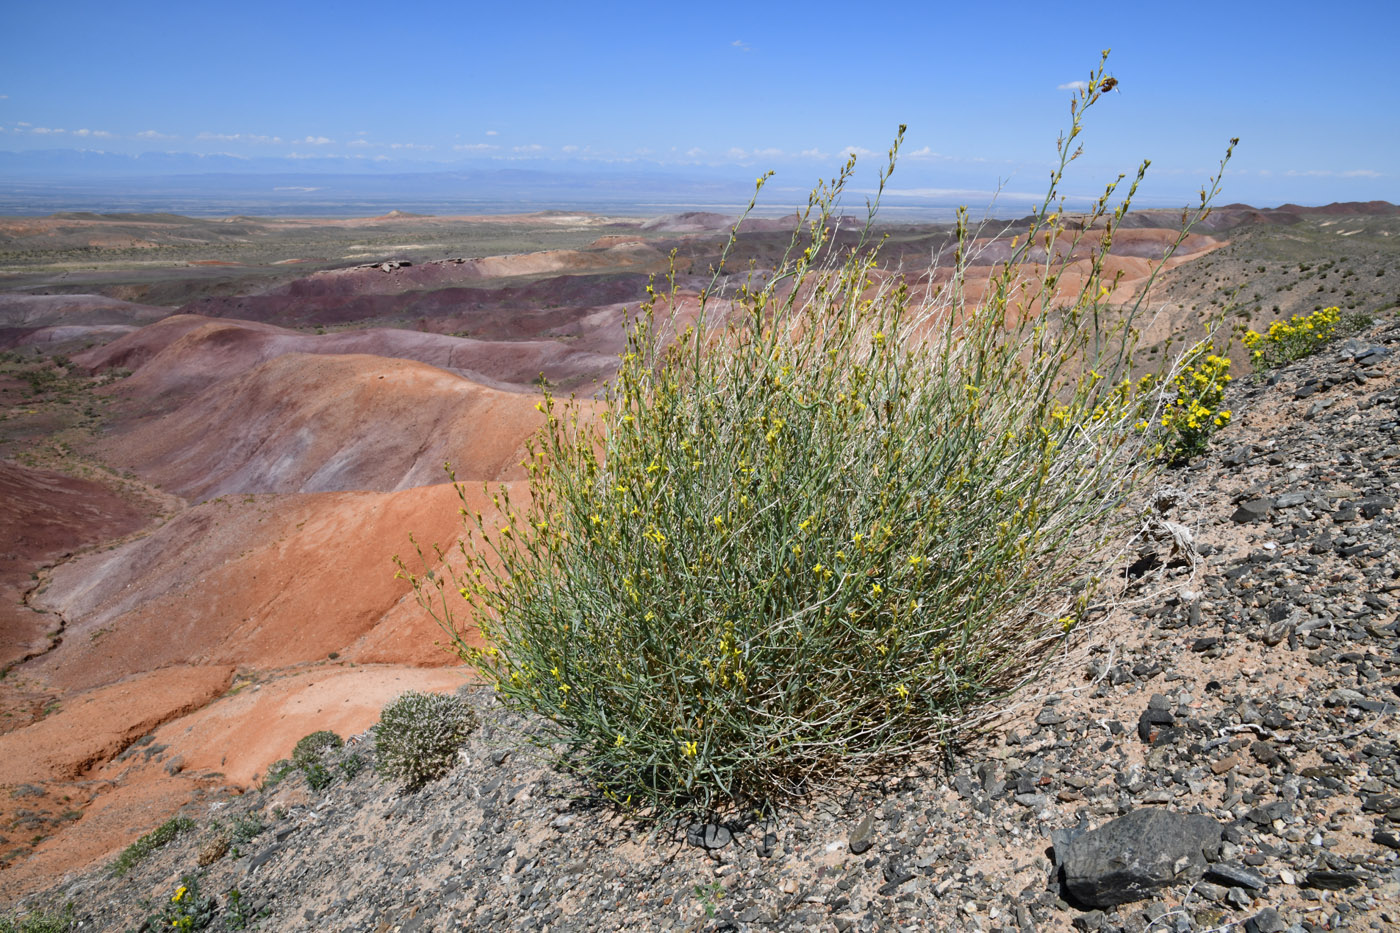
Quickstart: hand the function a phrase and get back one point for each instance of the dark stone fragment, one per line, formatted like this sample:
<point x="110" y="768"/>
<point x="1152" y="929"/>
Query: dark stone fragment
<point x="1236" y="875"/>
<point x="499" y="758"/>
<point x="1332" y="880"/>
<point x="1370" y="356"/>
<point x="1205" y="644"/>
<point x="1306" y="391"/>
<point x="1050" y="717"/>
<point x="1252" y="511"/>
<point x="1132" y="857"/>
<point x="1090" y="922"/>
<point x="1380" y="803"/>
<point x="1267" y="920"/>
<point x="861" y="840"/>
<point x="770" y="842"/>
<point x="897" y="878"/>
<point x="263" y="857"/>
<point x="1153" y="726"/>
<point x="1371" y="506"/>
<point x="1386" y="838"/>
<point x="1267" y="813"/>
<point x="1264" y="752"/>
<point x="708" y="836"/>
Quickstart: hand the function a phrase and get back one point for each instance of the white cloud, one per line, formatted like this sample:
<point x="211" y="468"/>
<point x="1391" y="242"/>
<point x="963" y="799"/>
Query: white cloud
<point x="44" y="130"/>
<point x="96" y="134"/>
<point x="316" y="141"/>
<point x="964" y="194"/>
<point x="741" y="45"/>
<point x="531" y="147"/>
<point x="1361" y="173"/>
<point x="569" y="149"/>
<point x="362" y="132"/>
<point x="737" y="154"/>
<point x="241" y="138"/>
<point x="4" y="96"/>
<point x="359" y="143"/>
<point x="1073" y="86"/>
<point x="694" y="152"/>
<point x="153" y="134"/>
<point x="492" y="133"/>
<point x="22" y="123"/>
<point x="813" y="153"/>
<point x="769" y="153"/>
<point x="418" y="146"/>
<point x="475" y="147"/>
<point x="859" y="152"/>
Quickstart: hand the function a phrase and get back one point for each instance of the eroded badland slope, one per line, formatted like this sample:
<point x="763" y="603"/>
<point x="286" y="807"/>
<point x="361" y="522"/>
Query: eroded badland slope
<point x="204" y="504"/>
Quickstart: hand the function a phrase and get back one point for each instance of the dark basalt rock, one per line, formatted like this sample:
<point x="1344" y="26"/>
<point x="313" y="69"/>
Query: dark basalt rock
<point x="1133" y="857"/>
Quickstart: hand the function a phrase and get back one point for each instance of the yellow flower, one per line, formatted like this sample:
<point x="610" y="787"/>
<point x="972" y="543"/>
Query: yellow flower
<point x="691" y="749"/>
<point x="620" y="741"/>
<point x="875" y="589"/>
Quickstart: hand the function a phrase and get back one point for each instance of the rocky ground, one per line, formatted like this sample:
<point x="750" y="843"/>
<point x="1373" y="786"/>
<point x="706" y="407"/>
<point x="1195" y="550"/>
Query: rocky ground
<point x="1217" y="752"/>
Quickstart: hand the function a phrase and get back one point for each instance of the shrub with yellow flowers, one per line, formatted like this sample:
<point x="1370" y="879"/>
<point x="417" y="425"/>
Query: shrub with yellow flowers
<point x="1196" y="412"/>
<point x="819" y="526"/>
<point x="186" y="909"/>
<point x="1293" y="339"/>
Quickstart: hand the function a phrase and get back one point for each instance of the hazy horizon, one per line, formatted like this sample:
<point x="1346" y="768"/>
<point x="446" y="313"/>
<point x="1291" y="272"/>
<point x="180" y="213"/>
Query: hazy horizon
<point x="712" y="95"/>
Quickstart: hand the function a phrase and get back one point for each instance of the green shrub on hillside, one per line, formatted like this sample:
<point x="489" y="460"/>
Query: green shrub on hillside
<point x="1300" y="336"/>
<point x="162" y="835"/>
<point x="814" y="529"/>
<point x="418" y="737"/>
<point x="311" y="756"/>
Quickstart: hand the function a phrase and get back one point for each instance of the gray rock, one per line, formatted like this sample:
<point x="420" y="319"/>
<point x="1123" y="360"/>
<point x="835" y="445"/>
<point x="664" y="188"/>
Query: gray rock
<point x="1254" y="510"/>
<point x="1236" y="875"/>
<point x="708" y="836"/>
<point x="1332" y="880"/>
<point x="1136" y="855"/>
<point x="861" y="840"/>
<point x="1266" y="921"/>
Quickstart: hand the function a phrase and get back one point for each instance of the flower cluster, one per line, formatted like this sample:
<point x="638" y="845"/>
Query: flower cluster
<point x="1293" y="339"/>
<point x="1196" y="413"/>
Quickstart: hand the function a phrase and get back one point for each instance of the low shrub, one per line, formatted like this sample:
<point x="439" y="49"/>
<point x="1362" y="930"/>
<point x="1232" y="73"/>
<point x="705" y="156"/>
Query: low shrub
<point x="816" y="528"/>
<point x="1301" y="335"/>
<point x="162" y="835"/>
<point x="418" y="737"/>
<point x="187" y="909"/>
<point x="312" y="756"/>
<point x="1195" y="412"/>
<point x="39" y="921"/>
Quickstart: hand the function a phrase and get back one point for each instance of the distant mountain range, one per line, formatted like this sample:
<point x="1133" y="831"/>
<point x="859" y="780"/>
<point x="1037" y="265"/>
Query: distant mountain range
<point x="39" y="182"/>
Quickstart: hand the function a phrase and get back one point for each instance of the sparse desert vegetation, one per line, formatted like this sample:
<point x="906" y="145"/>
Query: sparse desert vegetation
<point x="750" y="515"/>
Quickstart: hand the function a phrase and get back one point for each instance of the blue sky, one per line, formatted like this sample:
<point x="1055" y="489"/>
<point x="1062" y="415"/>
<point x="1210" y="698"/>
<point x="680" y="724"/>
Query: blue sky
<point x="727" y="88"/>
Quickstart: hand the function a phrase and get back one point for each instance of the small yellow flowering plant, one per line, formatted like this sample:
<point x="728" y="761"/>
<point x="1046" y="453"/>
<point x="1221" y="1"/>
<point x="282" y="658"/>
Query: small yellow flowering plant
<point x="1293" y="339"/>
<point x="1196" y="412"/>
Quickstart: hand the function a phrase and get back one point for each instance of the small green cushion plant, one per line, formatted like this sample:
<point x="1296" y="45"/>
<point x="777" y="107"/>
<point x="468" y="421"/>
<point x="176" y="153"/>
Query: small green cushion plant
<point x="419" y="735"/>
